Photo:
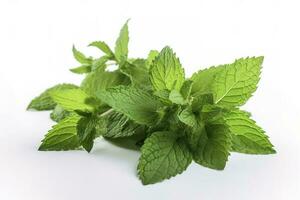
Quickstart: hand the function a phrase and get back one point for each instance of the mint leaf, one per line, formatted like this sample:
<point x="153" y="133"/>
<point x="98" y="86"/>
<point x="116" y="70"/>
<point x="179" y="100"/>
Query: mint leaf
<point x="234" y="85"/>
<point x="203" y="80"/>
<point x="44" y="100"/>
<point x="247" y="136"/>
<point x="201" y="100"/>
<point x="137" y="73"/>
<point x="80" y="57"/>
<point x="86" y="131"/>
<point x="62" y="136"/>
<point x="71" y="99"/>
<point x="121" y="48"/>
<point x="176" y="97"/>
<point x="164" y="155"/>
<point x="151" y="57"/>
<point x="188" y="117"/>
<point x="100" y="63"/>
<point x="137" y="104"/>
<point x="121" y="126"/>
<point x="103" y="47"/>
<point x="100" y="80"/>
<point x="213" y="145"/>
<point x="59" y="114"/>
<point x="166" y="72"/>
<point x="186" y="89"/>
<point x="82" y="69"/>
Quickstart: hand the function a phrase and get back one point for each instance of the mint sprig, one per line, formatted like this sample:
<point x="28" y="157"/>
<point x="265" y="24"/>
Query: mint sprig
<point x="173" y="119"/>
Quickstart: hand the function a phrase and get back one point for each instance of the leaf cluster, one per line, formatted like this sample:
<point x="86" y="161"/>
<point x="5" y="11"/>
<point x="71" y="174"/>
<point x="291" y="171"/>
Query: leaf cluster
<point x="172" y="119"/>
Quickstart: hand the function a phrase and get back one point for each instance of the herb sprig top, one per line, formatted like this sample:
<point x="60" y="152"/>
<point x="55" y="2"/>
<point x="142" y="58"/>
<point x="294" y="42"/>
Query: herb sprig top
<point x="172" y="119"/>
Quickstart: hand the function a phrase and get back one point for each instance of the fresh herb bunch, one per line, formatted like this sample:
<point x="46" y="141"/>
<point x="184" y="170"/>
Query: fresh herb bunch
<point x="172" y="119"/>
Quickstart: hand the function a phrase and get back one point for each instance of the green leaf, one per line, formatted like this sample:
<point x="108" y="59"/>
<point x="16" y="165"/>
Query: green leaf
<point x="187" y="117"/>
<point x="62" y="136"/>
<point x="100" y="63"/>
<point x="186" y="89"/>
<point x="203" y="80"/>
<point x="137" y="104"/>
<point x="234" y="85"/>
<point x="103" y="47"/>
<point x="202" y="100"/>
<point x="247" y="136"/>
<point x="82" y="69"/>
<point x="213" y="145"/>
<point x="151" y="57"/>
<point x="176" y="97"/>
<point x="100" y="80"/>
<point x="120" y="126"/>
<point x="121" y="48"/>
<point x="138" y="74"/>
<point x="59" y="114"/>
<point x="44" y="100"/>
<point x="166" y="72"/>
<point x="80" y="57"/>
<point x="164" y="155"/>
<point x="86" y="131"/>
<point x="72" y="99"/>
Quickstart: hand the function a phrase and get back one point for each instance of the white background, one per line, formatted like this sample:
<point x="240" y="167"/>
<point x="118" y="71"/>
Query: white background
<point x="35" y="47"/>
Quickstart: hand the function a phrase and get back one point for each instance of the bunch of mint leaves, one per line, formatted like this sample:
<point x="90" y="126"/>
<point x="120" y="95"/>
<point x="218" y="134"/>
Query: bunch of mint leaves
<point x="172" y="119"/>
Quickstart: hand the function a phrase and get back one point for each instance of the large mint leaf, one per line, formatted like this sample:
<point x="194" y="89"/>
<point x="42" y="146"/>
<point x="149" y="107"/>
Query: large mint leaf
<point x="164" y="155"/>
<point x="121" y="48"/>
<point x="137" y="104"/>
<point x="247" y="136"/>
<point x="100" y="80"/>
<point x="166" y="72"/>
<point x="71" y="99"/>
<point x="213" y="144"/>
<point x="235" y="84"/>
<point x="62" y="136"/>
<point x="44" y="100"/>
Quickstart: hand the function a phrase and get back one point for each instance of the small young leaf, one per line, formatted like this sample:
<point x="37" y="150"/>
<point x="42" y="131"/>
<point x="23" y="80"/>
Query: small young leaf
<point x="100" y="63"/>
<point x="103" y="47"/>
<point x="186" y="89"/>
<point x="71" y="99"/>
<point x="80" y="57"/>
<point x="82" y="69"/>
<point x="59" y="114"/>
<point x="176" y="97"/>
<point x="100" y="80"/>
<point x="62" y="136"/>
<point x="164" y="155"/>
<point x="151" y="57"/>
<point x="247" y="137"/>
<point x="166" y="71"/>
<point x="44" y="101"/>
<point x="138" y="75"/>
<point x="137" y="104"/>
<point x="188" y="117"/>
<point x="121" y="48"/>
